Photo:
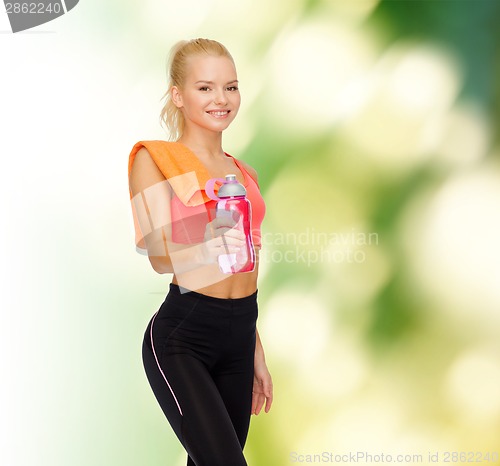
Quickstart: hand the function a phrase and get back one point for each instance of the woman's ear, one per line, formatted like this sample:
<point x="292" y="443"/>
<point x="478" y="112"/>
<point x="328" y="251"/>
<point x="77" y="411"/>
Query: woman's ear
<point x="176" y="96"/>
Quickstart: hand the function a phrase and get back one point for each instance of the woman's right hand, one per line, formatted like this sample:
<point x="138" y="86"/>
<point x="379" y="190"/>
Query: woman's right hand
<point x="222" y="236"/>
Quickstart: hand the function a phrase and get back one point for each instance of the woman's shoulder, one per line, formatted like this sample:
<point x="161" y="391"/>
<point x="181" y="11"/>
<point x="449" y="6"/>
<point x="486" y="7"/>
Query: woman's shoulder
<point x="153" y="144"/>
<point x="251" y="171"/>
<point x="152" y="148"/>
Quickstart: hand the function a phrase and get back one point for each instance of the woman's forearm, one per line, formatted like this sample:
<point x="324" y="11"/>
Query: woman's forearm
<point x="259" y="350"/>
<point x="179" y="259"/>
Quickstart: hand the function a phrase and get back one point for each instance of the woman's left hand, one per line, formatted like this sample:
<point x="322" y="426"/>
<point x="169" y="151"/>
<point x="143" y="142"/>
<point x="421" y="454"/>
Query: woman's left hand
<point x="262" y="387"/>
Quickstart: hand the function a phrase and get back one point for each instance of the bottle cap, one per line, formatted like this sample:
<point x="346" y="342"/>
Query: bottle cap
<point x="231" y="187"/>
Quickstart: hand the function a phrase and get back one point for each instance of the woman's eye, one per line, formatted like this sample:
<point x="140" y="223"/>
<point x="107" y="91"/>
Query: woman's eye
<point x="204" y="88"/>
<point x="232" y="88"/>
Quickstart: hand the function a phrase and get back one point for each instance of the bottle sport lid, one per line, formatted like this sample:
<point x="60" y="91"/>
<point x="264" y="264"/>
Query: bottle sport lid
<point x="231" y="187"/>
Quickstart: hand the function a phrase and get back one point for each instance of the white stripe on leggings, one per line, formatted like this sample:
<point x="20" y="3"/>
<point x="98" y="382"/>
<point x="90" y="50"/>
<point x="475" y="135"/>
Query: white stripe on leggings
<point x="158" y="364"/>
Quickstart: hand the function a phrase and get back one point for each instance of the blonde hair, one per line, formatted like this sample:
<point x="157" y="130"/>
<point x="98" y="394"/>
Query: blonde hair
<point x="170" y="115"/>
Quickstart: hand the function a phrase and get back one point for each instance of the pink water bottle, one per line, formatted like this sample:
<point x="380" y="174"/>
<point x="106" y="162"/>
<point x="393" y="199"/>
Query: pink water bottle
<point x="232" y="202"/>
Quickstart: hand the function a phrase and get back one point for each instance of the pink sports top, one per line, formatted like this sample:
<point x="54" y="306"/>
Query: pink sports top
<point x="191" y="208"/>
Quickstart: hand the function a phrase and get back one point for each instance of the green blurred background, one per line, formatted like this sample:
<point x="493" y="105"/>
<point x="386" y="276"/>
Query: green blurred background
<point x="374" y="128"/>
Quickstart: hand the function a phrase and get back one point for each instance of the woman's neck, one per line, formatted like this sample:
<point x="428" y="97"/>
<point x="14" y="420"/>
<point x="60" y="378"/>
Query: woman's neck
<point x="206" y="144"/>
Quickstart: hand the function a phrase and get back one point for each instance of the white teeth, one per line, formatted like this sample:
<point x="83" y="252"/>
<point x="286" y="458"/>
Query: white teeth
<point x="219" y="113"/>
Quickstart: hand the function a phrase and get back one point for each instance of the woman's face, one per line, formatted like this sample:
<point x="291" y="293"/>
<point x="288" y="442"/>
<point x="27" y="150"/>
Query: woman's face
<point x="209" y="98"/>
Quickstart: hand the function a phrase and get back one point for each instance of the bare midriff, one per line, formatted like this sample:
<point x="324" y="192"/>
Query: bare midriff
<point x="227" y="286"/>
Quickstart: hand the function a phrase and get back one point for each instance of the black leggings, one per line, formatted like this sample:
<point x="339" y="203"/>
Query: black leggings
<point x="198" y="354"/>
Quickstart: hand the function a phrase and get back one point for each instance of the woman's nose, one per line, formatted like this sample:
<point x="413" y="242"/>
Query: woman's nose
<point x="220" y="98"/>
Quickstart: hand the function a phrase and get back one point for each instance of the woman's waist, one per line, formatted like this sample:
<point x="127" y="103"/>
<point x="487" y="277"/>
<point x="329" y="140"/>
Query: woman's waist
<point x="218" y="285"/>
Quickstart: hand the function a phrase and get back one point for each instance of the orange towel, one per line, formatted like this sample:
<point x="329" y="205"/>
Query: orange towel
<point x="175" y="159"/>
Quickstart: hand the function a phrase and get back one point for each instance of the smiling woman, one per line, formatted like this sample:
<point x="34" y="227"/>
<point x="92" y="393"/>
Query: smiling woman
<point x="195" y="68"/>
<point x="204" y="100"/>
<point x="201" y="351"/>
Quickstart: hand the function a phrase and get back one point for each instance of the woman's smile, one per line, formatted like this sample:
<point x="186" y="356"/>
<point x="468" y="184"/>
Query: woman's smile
<point x="219" y="114"/>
